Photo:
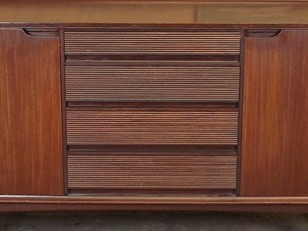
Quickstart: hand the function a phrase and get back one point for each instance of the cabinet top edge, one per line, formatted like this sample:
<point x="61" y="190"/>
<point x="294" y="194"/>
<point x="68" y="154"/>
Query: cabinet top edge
<point x="136" y="26"/>
<point x="94" y="13"/>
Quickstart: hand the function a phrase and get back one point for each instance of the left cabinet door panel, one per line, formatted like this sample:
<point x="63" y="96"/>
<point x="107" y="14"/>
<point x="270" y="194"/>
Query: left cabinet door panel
<point x="31" y="150"/>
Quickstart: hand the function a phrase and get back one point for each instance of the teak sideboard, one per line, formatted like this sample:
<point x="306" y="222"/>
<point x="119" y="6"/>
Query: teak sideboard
<point x="154" y="116"/>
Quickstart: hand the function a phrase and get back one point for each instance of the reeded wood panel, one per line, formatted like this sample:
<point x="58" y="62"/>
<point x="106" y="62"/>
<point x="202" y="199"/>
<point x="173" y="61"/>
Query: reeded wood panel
<point x="149" y="42"/>
<point x="146" y="83"/>
<point x="275" y="116"/>
<point x="146" y="126"/>
<point x="151" y="172"/>
<point x="31" y="160"/>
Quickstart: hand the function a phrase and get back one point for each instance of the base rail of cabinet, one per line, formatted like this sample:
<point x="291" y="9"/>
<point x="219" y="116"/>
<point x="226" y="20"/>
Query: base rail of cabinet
<point x="152" y="203"/>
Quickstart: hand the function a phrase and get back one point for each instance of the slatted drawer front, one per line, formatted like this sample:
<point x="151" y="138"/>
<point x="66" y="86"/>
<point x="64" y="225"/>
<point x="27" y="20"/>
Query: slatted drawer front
<point x="146" y="83"/>
<point x="152" y="110"/>
<point x="151" y="172"/>
<point x="152" y="42"/>
<point x="141" y="126"/>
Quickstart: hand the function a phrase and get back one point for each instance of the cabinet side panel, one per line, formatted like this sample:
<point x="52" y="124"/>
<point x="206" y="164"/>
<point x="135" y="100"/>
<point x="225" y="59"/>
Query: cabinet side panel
<point x="275" y="116"/>
<point x="30" y="111"/>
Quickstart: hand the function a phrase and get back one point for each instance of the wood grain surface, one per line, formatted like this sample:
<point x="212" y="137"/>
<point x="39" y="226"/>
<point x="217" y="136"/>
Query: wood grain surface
<point x="146" y="126"/>
<point x="30" y="111"/>
<point x="147" y="83"/>
<point x="156" y="203"/>
<point x="275" y="116"/>
<point x="151" y="172"/>
<point x="156" y="12"/>
<point x="152" y="42"/>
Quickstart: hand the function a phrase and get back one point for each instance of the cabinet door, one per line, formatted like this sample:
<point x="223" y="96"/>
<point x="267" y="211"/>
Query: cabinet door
<point x="275" y="115"/>
<point x="30" y="111"/>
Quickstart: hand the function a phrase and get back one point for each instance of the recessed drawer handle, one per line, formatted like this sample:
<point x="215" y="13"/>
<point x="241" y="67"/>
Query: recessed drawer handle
<point x="42" y="32"/>
<point x="262" y="33"/>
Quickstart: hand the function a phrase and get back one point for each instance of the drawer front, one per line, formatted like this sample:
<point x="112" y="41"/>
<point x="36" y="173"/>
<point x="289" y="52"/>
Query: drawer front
<point x="129" y="83"/>
<point x="156" y="126"/>
<point x="151" y="172"/>
<point x="152" y="42"/>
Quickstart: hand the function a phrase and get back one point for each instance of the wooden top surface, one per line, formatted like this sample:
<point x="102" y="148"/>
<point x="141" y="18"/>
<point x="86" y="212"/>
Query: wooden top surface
<point x="156" y="12"/>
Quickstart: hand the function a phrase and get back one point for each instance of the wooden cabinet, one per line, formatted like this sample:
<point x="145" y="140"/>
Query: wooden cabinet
<point x="154" y="117"/>
<point x="275" y="115"/>
<point x="30" y="111"/>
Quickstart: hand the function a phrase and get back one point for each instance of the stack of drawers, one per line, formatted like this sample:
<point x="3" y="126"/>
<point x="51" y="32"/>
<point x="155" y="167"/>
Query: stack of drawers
<point x="152" y="110"/>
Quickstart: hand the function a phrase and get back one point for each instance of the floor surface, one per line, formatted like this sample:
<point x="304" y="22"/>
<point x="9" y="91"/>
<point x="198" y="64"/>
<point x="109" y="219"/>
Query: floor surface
<point x="145" y="221"/>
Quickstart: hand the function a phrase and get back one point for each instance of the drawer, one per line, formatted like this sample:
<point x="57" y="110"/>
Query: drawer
<point x="156" y="126"/>
<point x="152" y="42"/>
<point x="151" y="172"/>
<point x="139" y="83"/>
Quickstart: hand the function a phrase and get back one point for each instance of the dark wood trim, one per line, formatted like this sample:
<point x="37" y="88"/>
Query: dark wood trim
<point x="63" y="93"/>
<point x="154" y="203"/>
<point x="153" y="150"/>
<point x="240" y="107"/>
<point x="153" y="60"/>
<point x="153" y="106"/>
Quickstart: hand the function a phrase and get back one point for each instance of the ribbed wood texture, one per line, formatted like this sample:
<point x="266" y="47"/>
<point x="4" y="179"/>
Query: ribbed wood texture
<point x="142" y="126"/>
<point x="148" y="172"/>
<point x="146" y="83"/>
<point x="132" y="42"/>
<point x="150" y="69"/>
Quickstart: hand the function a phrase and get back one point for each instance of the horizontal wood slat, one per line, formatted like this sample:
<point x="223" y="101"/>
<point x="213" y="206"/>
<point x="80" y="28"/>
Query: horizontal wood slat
<point x="132" y="42"/>
<point x="142" y="126"/>
<point x="138" y="83"/>
<point x="150" y="172"/>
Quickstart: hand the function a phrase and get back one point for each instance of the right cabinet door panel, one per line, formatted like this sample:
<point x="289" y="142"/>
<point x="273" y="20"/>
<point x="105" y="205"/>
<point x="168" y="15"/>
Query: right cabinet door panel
<point x="275" y="115"/>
